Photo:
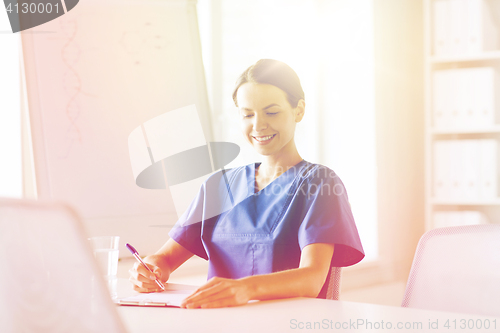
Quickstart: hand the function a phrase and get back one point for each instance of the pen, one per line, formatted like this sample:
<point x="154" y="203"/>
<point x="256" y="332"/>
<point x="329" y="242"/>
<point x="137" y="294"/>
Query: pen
<point x="136" y="255"/>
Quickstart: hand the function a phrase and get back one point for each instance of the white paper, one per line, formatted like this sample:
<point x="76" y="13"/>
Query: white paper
<point x="169" y="297"/>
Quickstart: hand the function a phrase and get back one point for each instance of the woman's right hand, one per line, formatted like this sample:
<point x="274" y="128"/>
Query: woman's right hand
<point x="143" y="280"/>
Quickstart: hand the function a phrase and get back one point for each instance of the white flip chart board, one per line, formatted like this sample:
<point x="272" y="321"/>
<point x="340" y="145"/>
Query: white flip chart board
<point x="92" y="76"/>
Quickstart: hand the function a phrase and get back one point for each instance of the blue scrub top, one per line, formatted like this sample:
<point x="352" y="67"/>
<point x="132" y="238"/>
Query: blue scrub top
<point x="242" y="232"/>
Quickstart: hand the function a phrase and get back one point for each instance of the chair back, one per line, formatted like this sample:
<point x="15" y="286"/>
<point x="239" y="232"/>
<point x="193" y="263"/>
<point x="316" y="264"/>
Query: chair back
<point x="331" y="288"/>
<point x="49" y="279"/>
<point x="457" y="269"/>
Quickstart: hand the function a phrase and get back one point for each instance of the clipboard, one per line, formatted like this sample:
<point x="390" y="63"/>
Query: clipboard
<point x="145" y="303"/>
<point x="171" y="297"/>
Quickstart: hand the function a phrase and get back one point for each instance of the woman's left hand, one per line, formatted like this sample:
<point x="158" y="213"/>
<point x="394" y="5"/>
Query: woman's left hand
<point x="219" y="292"/>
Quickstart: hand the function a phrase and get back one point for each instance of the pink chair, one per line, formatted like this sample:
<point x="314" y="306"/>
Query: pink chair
<point x="331" y="288"/>
<point x="49" y="280"/>
<point x="333" y="291"/>
<point x="457" y="269"/>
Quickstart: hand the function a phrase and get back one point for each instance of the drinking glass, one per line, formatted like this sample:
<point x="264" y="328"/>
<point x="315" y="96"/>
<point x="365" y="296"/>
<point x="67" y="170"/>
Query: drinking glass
<point x="106" y="254"/>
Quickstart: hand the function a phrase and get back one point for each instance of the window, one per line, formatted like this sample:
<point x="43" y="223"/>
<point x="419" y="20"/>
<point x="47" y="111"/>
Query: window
<point x="10" y="111"/>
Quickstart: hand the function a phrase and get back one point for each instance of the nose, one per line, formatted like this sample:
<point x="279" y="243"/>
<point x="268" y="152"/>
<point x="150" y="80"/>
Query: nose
<point x="259" y="123"/>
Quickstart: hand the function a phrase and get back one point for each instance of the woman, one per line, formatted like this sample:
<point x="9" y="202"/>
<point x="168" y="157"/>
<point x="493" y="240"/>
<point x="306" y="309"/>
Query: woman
<point x="269" y="230"/>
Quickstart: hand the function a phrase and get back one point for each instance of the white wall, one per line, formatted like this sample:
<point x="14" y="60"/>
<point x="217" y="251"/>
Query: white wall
<point x="330" y="46"/>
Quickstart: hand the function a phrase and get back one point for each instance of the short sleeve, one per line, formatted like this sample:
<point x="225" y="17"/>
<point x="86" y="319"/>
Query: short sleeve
<point x="328" y="217"/>
<point x="187" y="230"/>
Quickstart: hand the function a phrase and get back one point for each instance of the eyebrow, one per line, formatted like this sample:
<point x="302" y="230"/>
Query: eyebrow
<point x="270" y="106"/>
<point x="265" y="108"/>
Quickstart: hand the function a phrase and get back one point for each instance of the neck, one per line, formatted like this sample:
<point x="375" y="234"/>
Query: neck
<point x="274" y="165"/>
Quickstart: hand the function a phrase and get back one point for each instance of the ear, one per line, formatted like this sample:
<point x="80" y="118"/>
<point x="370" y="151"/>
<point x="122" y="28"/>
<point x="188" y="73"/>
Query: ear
<point x="300" y="110"/>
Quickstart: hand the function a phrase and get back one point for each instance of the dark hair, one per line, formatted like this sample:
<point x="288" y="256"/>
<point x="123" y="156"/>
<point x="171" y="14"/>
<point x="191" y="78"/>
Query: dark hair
<point x="276" y="73"/>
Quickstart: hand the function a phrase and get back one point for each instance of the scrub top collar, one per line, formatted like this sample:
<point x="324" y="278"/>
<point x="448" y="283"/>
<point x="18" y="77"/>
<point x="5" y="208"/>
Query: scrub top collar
<point x="293" y="171"/>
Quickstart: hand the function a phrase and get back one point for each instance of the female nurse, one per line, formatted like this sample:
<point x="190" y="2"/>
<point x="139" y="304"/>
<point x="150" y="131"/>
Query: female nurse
<point x="268" y="230"/>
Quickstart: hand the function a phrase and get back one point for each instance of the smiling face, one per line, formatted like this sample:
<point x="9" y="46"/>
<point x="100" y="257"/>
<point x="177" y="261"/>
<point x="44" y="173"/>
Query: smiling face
<point x="267" y="118"/>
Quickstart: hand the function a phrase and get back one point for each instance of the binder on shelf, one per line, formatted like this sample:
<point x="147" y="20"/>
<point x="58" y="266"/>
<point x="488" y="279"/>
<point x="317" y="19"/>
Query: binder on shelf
<point x="441" y="182"/>
<point x="484" y="84"/>
<point x="488" y="154"/>
<point x="441" y="97"/>
<point x="466" y="170"/>
<point x="464" y="99"/>
<point x="443" y="219"/>
<point x="458" y="27"/>
<point x="441" y="27"/>
<point x="455" y="169"/>
<point x="481" y="32"/>
<point x="439" y="220"/>
<point x="468" y="97"/>
<point x="464" y="27"/>
<point x="459" y="84"/>
<point x="450" y="91"/>
<point x="469" y="159"/>
<point x="474" y="38"/>
<point x="470" y="217"/>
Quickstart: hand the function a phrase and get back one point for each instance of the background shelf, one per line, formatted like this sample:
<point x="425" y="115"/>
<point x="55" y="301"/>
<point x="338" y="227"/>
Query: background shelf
<point x="458" y="202"/>
<point x="490" y="55"/>
<point x="472" y="34"/>
<point x="492" y="130"/>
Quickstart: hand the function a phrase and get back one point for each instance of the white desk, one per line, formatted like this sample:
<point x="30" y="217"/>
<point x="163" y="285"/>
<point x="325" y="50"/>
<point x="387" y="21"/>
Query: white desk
<point x="294" y="315"/>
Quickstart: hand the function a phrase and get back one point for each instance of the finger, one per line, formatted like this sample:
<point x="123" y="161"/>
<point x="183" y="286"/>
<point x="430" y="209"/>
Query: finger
<point x="209" y="284"/>
<point x="141" y="280"/>
<point x="143" y="284"/>
<point x="145" y="272"/>
<point x="200" y="294"/>
<point x="139" y="277"/>
<point x="221" y="303"/>
<point x="158" y="273"/>
<point x="145" y="290"/>
<point x="144" y="287"/>
<point x="214" y="303"/>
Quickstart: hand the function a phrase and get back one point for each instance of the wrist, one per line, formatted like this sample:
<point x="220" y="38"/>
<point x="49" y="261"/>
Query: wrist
<point x="252" y="287"/>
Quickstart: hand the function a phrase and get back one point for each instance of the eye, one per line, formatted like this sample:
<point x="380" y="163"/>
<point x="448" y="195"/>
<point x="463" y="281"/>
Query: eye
<point x="272" y="113"/>
<point x="247" y="115"/>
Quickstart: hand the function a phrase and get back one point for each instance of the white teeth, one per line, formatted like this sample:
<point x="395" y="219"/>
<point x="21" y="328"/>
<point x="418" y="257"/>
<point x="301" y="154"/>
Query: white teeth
<point x="264" y="138"/>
